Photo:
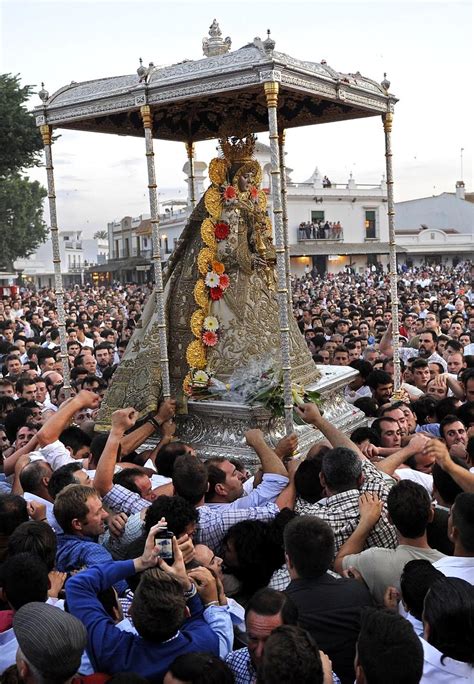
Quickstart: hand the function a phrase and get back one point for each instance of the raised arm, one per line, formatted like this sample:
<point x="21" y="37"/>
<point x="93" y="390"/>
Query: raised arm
<point x="269" y="460"/>
<point x="60" y="420"/>
<point x="312" y="415"/>
<point x="386" y="347"/>
<point x="122" y="420"/>
<point x="370" y="508"/>
<point x="463" y="477"/>
<point x="133" y="440"/>
<point x="416" y="445"/>
<point x="10" y="462"/>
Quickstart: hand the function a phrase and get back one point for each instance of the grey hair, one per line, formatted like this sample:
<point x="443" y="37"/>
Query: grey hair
<point x="342" y="469"/>
<point x="367" y="351"/>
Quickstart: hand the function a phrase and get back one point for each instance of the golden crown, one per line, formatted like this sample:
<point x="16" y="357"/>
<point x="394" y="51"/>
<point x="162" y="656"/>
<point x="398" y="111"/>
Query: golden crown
<point x="236" y="148"/>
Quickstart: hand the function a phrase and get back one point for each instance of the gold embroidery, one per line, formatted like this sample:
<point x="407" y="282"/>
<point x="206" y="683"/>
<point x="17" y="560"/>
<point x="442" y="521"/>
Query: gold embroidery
<point x="200" y="293"/>
<point x="196" y="354"/>
<point x="204" y="261"/>
<point x="213" y="202"/>
<point x="218" y="171"/>
<point x="197" y="320"/>
<point x="207" y="233"/>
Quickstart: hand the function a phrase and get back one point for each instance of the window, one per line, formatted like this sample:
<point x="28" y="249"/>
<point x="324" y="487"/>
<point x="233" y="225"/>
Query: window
<point x="317" y="216"/>
<point x="370" y="225"/>
<point x="117" y="251"/>
<point x="127" y="247"/>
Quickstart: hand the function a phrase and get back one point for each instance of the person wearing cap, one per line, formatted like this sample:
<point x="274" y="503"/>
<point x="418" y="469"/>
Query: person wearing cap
<point x="53" y="652"/>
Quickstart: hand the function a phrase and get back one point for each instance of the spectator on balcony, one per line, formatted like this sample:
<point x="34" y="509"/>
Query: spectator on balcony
<point x="326" y="182"/>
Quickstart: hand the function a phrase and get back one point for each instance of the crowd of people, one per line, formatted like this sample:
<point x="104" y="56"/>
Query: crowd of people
<point x="320" y="230"/>
<point x="122" y="562"/>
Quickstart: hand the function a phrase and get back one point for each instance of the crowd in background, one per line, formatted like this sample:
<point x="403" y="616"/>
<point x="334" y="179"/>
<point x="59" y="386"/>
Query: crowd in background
<point x="320" y="230"/>
<point x="125" y="558"/>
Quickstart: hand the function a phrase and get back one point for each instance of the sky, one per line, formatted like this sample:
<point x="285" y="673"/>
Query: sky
<point x="425" y="47"/>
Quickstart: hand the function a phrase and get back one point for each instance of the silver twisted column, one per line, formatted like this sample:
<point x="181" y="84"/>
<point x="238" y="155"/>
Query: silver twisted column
<point x="46" y="131"/>
<point x="192" y="186"/>
<point x="281" y="143"/>
<point x="387" y="127"/>
<point x="271" y="94"/>
<point x="156" y="254"/>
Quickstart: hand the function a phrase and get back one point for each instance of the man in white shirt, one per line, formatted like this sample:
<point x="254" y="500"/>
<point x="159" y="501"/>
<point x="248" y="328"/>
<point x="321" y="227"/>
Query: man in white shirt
<point x="226" y="489"/>
<point x="461" y="533"/>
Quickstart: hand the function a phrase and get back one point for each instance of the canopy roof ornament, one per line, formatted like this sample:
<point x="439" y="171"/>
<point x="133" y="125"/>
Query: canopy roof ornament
<point x="215" y="45"/>
<point x="385" y="83"/>
<point x="269" y="43"/>
<point x="195" y="100"/>
<point x="43" y="94"/>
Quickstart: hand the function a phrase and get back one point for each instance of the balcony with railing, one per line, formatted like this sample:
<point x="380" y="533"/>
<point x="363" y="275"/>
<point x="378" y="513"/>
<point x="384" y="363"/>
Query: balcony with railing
<point x="312" y="233"/>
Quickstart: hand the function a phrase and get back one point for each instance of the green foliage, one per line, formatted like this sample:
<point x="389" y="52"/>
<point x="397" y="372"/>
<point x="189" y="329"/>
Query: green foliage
<point x="101" y="235"/>
<point x="21" y="141"/>
<point x="22" y="228"/>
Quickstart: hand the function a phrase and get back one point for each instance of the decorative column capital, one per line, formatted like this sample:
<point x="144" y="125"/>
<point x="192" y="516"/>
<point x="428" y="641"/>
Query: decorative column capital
<point x="281" y="138"/>
<point x="145" y="113"/>
<point x="46" y="131"/>
<point x="272" y="88"/>
<point x="387" y="122"/>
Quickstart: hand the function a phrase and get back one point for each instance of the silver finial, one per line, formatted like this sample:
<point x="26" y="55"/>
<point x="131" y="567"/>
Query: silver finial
<point x="269" y="43"/>
<point x="43" y="94"/>
<point x="214" y="45"/>
<point x="141" y="71"/>
<point x="385" y="83"/>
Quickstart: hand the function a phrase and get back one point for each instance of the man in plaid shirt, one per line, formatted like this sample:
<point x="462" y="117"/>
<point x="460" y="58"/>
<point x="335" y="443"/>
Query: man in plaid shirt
<point x="345" y="473"/>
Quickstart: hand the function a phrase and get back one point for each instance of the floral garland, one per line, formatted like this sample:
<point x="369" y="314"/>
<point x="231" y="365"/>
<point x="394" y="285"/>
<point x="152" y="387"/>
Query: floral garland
<point x="209" y="288"/>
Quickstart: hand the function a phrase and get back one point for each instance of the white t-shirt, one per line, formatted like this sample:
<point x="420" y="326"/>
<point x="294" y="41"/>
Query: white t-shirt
<point x="457" y="566"/>
<point x="425" y="479"/>
<point x="446" y="671"/>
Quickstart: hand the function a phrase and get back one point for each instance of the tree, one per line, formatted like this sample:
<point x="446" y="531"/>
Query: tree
<point x="101" y="235"/>
<point x="21" y="219"/>
<point x="22" y="227"/>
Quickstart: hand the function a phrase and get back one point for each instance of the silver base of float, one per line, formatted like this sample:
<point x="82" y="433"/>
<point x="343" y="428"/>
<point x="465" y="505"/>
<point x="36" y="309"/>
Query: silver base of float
<point x="217" y="428"/>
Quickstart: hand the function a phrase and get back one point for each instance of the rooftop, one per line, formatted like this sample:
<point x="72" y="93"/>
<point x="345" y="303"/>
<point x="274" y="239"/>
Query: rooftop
<point x="196" y="99"/>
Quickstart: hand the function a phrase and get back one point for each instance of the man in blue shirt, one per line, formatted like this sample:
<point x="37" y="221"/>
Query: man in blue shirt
<point x="167" y="612"/>
<point x="79" y="511"/>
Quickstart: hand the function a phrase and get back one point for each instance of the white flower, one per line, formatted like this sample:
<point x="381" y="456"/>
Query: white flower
<point x="212" y="279"/>
<point x="200" y="377"/>
<point x="211" y="323"/>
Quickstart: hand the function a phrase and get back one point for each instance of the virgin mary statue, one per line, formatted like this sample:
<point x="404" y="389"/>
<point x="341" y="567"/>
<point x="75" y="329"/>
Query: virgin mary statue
<point x="220" y="294"/>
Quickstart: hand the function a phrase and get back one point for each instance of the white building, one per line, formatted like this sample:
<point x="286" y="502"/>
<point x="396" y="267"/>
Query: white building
<point x="130" y="240"/>
<point x="38" y="268"/>
<point x="430" y="229"/>
<point x="361" y="211"/>
<point x="436" y="230"/>
<point x="96" y="251"/>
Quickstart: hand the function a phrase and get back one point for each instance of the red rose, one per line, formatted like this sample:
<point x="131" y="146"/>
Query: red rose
<point x="221" y="231"/>
<point x="253" y="192"/>
<point x="210" y="339"/>
<point x="216" y="293"/>
<point x="229" y="193"/>
<point x="224" y="281"/>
